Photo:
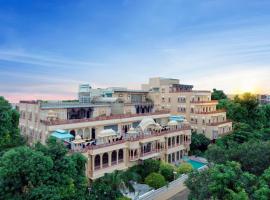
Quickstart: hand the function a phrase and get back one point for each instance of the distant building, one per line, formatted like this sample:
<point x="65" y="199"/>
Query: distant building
<point x="263" y="99"/>
<point x="84" y="94"/>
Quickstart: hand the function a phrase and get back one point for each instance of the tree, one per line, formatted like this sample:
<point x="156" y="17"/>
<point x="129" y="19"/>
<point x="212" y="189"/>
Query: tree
<point x="197" y="183"/>
<point x="218" y="94"/>
<point x="184" y="168"/>
<point x="222" y="181"/>
<point x="167" y="170"/>
<point x="254" y="156"/>
<point x="21" y="170"/>
<point x="103" y="191"/>
<point x="118" y="181"/>
<point x="9" y="132"/>
<point x="148" y="166"/>
<point x="42" y="172"/>
<point x="199" y="144"/>
<point x="155" y="180"/>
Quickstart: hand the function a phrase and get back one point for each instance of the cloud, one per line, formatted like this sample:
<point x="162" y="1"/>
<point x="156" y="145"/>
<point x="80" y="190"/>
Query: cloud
<point x="44" y="60"/>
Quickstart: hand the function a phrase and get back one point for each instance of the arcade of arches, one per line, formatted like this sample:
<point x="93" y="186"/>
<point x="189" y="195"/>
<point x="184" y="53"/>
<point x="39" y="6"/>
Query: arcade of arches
<point x="107" y="159"/>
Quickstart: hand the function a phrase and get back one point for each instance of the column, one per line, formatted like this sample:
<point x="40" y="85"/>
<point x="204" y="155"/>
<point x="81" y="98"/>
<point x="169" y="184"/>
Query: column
<point x="101" y="161"/>
<point x="110" y="158"/>
<point x="117" y="156"/>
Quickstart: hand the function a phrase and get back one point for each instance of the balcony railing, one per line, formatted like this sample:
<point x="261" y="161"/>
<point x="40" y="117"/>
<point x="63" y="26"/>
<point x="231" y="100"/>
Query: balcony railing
<point x="212" y="112"/>
<point x="218" y="123"/>
<point x="135" y="138"/>
<point x="120" y="116"/>
<point x="149" y="153"/>
<point x="198" y="102"/>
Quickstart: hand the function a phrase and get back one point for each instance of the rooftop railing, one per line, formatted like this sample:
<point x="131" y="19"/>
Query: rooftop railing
<point x="101" y="118"/>
<point x="198" y="102"/>
<point x="138" y="137"/>
<point x="218" y="123"/>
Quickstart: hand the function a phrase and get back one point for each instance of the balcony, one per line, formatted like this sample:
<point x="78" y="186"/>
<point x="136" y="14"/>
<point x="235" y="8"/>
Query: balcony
<point x="218" y="123"/>
<point x="205" y="102"/>
<point x="212" y="112"/>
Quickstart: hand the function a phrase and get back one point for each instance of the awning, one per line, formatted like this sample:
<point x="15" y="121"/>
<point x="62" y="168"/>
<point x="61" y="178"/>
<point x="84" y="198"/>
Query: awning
<point x="172" y="123"/>
<point x="62" y="134"/>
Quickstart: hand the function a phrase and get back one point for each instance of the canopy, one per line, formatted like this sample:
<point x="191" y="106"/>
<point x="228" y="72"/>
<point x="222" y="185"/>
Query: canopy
<point x="146" y="122"/>
<point x="107" y="133"/>
<point x="178" y="118"/>
<point x="62" y="134"/>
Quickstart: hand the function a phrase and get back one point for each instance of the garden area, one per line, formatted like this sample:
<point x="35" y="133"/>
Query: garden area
<point x="153" y="173"/>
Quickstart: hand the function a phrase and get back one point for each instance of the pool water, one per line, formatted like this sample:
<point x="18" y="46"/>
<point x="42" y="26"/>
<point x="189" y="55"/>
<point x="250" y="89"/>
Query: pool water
<point x="195" y="164"/>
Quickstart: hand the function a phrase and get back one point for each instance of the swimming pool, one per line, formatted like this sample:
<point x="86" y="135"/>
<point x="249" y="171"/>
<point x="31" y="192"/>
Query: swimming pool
<point x="196" y="164"/>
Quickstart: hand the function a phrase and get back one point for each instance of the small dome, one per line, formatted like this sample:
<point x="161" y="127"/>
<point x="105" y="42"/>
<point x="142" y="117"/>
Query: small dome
<point x="78" y="137"/>
<point x="132" y="131"/>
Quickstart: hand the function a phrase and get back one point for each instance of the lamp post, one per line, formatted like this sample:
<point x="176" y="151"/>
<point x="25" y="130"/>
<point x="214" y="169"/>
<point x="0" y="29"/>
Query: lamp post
<point x="174" y="175"/>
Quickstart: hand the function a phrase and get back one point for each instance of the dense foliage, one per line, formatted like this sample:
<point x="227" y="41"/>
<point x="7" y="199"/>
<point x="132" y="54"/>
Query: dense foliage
<point x="218" y="95"/>
<point x="239" y="162"/>
<point x="199" y="144"/>
<point x="45" y="172"/>
<point x="9" y="132"/>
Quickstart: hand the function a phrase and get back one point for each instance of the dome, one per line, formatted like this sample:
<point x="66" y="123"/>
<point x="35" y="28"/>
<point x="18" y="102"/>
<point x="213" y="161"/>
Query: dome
<point x="132" y="131"/>
<point x="78" y="137"/>
<point x="172" y="123"/>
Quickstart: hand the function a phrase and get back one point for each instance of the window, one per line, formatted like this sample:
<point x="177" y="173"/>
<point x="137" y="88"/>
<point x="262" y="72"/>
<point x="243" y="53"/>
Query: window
<point x="169" y="100"/>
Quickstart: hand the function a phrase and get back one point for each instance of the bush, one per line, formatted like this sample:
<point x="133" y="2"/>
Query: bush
<point x="167" y="170"/>
<point x="123" y="198"/>
<point x="155" y="180"/>
<point x="184" y="168"/>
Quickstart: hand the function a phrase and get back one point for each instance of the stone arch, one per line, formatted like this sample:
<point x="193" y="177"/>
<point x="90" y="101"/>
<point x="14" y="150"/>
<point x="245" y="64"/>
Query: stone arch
<point x="73" y="132"/>
<point x="105" y="160"/>
<point x="114" y="157"/>
<point x="97" y="161"/>
<point x="80" y="132"/>
<point x="86" y="133"/>
<point x="120" y="154"/>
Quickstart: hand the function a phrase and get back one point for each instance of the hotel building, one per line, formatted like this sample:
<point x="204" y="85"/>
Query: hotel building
<point x="115" y="130"/>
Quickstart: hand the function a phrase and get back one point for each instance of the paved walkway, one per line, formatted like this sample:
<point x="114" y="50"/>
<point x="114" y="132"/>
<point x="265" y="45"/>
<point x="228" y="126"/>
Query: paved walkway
<point x="181" y="195"/>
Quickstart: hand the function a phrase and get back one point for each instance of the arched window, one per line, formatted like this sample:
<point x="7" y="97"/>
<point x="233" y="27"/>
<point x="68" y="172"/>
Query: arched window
<point x="105" y="160"/>
<point x="120" y="155"/>
<point x="114" y="158"/>
<point x="97" y="162"/>
<point x="73" y="132"/>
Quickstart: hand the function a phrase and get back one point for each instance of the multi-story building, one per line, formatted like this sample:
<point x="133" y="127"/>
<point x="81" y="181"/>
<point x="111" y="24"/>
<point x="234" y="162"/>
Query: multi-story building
<point x="195" y="105"/>
<point x="116" y="128"/>
<point x="112" y="132"/>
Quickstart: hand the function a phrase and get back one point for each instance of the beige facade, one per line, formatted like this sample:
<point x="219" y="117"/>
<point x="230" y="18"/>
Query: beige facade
<point x="195" y="105"/>
<point x="121" y="140"/>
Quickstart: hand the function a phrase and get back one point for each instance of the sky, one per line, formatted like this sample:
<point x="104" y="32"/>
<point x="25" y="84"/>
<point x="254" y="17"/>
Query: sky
<point x="48" y="48"/>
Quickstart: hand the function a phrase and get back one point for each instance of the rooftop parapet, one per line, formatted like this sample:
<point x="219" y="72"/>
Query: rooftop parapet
<point x="120" y="116"/>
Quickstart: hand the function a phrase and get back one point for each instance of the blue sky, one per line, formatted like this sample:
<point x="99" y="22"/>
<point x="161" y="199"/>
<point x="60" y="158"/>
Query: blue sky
<point x="48" y="47"/>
